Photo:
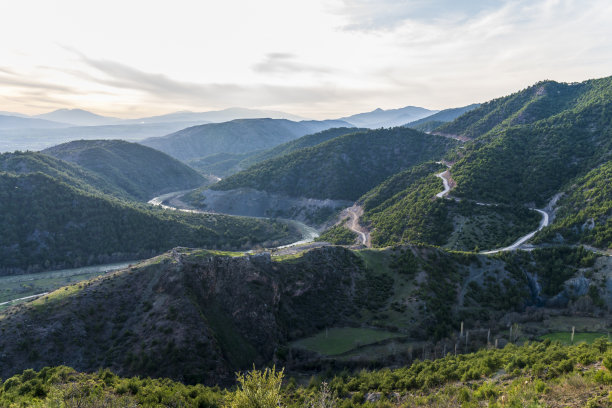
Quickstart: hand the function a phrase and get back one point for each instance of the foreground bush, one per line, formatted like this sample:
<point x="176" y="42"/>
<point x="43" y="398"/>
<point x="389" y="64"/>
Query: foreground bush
<point x="542" y="374"/>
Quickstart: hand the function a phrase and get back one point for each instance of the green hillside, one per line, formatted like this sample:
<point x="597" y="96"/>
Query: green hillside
<point x="304" y="141"/>
<point x="403" y="209"/>
<point x="540" y="101"/>
<point x="342" y="168"/>
<point x="219" y="164"/>
<point x="140" y="171"/>
<point x="551" y="138"/>
<point x="47" y="223"/>
<point x="72" y="174"/>
<point x="236" y="136"/>
<point x="529" y="163"/>
<point x="225" y="164"/>
<point x="398" y="183"/>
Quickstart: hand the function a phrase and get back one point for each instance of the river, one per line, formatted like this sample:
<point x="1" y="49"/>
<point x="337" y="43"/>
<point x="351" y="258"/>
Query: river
<point x="16" y="288"/>
<point x="309" y="233"/>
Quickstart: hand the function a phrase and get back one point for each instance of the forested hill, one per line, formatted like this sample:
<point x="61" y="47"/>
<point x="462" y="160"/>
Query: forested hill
<point x="48" y="224"/>
<point x="236" y="136"/>
<point x="530" y="162"/>
<point x="520" y="162"/>
<point x="69" y="173"/>
<point x="537" y="102"/>
<point x="140" y="171"/>
<point x="304" y="141"/>
<point x="342" y="168"/>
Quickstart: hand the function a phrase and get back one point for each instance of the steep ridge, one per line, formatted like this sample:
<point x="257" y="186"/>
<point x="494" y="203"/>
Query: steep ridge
<point x="140" y="171"/>
<point x="342" y="168"/>
<point x="304" y="141"/>
<point x="197" y="316"/>
<point x="530" y="162"/>
<point x="236" y="136"/>
<point x="537" y="102"/>
<point x="225" y="164"/>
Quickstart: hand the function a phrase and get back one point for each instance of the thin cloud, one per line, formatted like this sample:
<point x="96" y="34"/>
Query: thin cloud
<point x="164" y="88"/>
<point x="16" y="82"/>
<point x="286" y="63"/>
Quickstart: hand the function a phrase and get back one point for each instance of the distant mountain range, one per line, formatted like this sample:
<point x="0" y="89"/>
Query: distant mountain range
<point x="388" y="118"/>
<point x="23" y="132"/>
<point x="80" y="117"/>
<point x="18" y="122"/>
<point x="224" y="115"/>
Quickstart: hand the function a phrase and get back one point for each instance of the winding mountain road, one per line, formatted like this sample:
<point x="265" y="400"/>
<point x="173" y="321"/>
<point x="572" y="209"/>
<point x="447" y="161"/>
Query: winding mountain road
<point x="445" y="176"/>
<point x="354" y="213"/>
<point x="447" y="187"/>
<point x="523" y="239"/>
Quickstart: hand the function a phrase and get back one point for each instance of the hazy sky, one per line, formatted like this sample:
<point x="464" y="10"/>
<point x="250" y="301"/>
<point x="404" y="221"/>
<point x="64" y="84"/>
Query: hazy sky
<point x="315" y="58"/>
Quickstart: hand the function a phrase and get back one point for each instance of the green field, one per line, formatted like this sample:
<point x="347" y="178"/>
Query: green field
<point x="336" y="341"/>
<point x="15" y="287"/>
<point x="565" y="337"/>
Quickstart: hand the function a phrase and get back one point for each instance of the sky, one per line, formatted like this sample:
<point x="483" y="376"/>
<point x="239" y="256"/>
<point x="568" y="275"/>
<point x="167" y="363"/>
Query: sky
<point x="317" y="58"/>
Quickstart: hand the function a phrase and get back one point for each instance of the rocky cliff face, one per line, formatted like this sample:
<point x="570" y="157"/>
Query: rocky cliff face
<point x="194" y="316"/>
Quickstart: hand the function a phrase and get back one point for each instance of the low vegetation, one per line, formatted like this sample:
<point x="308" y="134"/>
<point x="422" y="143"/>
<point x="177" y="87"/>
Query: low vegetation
<point x="544" y="374"/>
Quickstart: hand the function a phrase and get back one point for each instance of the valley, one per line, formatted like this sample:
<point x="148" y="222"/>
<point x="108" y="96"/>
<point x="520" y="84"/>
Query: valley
<point x="352" y="256"/>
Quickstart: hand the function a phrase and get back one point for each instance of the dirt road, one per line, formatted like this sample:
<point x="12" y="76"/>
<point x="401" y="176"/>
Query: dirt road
<point x="354" y="213"/>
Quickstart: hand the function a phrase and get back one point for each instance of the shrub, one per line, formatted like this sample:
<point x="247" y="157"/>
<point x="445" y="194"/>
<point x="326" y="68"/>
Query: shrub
<point x="258" y="389"/>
